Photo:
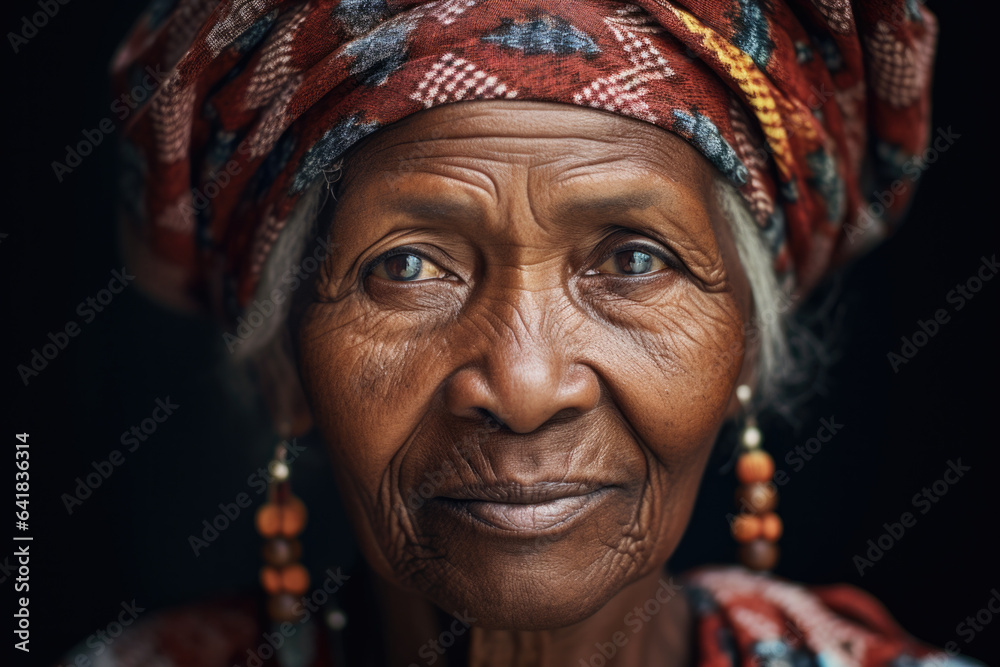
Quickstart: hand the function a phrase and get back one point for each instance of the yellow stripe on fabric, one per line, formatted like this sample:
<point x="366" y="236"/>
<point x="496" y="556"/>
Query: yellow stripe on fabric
<point x="750" y="80"/>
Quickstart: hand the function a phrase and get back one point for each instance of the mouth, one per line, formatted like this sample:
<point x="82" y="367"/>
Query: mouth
<point x="515" y="508"/>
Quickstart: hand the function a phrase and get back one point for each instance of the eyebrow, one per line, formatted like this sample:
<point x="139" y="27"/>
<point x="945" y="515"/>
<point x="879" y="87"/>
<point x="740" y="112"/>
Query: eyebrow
<point x="436" y="208"/>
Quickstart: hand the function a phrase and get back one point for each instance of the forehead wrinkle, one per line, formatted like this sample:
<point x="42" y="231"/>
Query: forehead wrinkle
<point x="497" y="123"/>
<point x="633" y="165"/>
<point x="506" y="219"/>
<point x="587" y="123"/>
<point x="455" y="169"/>
<point x="461" y="160"/>
<point x="510" y="216"/>
<point x="520" y="144"/>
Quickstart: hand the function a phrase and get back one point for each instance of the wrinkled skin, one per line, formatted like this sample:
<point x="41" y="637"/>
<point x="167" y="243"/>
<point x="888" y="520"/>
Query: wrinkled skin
<point x="520" y="351"/>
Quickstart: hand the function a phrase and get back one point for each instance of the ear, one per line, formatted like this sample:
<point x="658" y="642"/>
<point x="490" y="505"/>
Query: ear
<point x="278" y="380"/>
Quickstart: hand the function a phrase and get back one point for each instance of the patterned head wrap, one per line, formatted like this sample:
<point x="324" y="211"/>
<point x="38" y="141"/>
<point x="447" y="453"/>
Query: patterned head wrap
<point x="791" y="100"/>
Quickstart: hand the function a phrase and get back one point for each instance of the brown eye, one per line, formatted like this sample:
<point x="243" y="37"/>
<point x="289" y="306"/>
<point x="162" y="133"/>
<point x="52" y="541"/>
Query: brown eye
<point x="407" y="267"/>
<point x="631" y="262"/>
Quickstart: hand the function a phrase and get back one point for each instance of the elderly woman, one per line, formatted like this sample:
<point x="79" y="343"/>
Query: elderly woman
<point x="517" y="263"/>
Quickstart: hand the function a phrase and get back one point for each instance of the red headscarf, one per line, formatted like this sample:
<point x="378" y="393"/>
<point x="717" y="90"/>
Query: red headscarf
<point x="791" y="100"/>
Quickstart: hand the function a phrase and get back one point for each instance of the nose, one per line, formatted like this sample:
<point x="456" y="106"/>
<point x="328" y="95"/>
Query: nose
<point x="525" y="374"/>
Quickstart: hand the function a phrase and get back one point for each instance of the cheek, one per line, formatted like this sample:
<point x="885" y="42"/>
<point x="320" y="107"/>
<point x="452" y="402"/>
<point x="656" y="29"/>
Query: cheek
<point x="369" y="383"/>
<point x="673" y="374"/>
<point x="672" y="379"/>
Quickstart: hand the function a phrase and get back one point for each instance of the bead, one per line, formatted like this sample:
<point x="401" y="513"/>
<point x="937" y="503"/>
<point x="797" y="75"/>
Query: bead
<point x="746" y="528"/>
<point x="758" y="497"/>
<point x="743" y="393"/>
<point x="755" y="466"/>
<point x="759" y="554"/>
<point x="270" y="579"/>
<point x="278" y="470"/>
<point x="751" y="437"/>
<point x="770" y="526"/>
<point x="293" y="517"/>
<point x="281" y="608"/>
<point x="268" y="520"/>
<point x="295" y="579"/>
<point x="280" y="552"/>
<point x="336" y="620"/>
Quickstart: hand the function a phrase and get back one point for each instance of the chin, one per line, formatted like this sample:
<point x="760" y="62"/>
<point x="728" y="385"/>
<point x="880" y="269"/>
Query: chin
<point x="511" y="571"/>
<point x="540" y="598"/>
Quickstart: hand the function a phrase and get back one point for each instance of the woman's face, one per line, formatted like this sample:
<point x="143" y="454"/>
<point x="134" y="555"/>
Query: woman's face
<point x="521" y="353"/>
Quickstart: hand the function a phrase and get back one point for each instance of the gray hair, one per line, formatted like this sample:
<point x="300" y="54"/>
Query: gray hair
<point x="303" y="237"/>
<point x="287" y="270"/>
<point x="766" y="332"/>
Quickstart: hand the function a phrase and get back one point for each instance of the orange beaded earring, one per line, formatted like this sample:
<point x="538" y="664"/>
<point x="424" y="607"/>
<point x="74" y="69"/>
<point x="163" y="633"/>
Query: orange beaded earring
<point x="756" y="527"/>
<point x="280" y="520"/>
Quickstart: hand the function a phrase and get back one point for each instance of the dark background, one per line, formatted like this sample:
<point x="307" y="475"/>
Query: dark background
<point x="129" y="539"/>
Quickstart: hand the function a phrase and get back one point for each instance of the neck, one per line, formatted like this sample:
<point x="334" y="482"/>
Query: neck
<point x="647" y="623"/>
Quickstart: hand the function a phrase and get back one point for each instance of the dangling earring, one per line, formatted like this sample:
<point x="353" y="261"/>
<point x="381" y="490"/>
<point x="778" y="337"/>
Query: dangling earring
<point x="280" y="520"/>
<point x="756" y="527"/>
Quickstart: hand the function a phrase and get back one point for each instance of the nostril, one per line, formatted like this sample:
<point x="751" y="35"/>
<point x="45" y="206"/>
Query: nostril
<point x="490" y="417"/>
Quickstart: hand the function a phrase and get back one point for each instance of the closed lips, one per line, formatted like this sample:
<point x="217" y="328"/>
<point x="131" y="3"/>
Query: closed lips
<point x="530" y="508"/>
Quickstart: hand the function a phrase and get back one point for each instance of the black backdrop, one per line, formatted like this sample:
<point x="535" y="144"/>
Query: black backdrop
<point x="129" y="539"/>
